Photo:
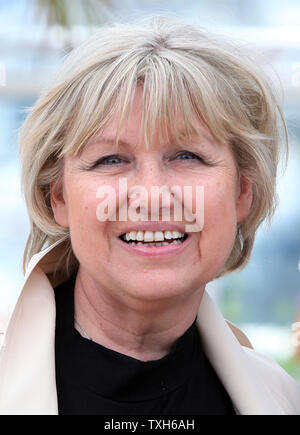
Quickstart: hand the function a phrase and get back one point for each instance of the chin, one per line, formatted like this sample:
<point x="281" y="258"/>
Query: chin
<point x="155" y="290"/>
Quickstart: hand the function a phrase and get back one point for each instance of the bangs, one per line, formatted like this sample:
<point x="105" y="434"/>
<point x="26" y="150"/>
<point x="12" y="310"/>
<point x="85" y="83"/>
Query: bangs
<point x="178" y="99"/>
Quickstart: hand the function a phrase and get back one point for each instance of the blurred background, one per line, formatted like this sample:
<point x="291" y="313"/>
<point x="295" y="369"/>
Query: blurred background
<point x="264" y="299"/>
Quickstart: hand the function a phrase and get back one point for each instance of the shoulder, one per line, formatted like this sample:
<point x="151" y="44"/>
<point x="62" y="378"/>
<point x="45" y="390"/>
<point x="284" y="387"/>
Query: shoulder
<point x="239" y="335"/>
<point x="284" y="388"/>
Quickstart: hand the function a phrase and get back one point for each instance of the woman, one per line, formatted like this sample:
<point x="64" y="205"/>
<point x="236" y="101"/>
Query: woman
<point x="113" y="316"/>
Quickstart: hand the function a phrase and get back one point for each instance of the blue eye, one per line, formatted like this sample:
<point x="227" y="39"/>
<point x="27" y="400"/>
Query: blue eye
<point x="111" y="160"/>
<point x="188" y="156"/>
<point x="115" y="160"/>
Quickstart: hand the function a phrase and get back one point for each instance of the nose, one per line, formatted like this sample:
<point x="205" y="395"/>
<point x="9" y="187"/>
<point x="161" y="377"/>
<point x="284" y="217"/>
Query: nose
<point x="150" y="172"/>
<point x="149" y="190"/>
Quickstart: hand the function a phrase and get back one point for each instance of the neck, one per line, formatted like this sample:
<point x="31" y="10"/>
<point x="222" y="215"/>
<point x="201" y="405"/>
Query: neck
<point x="145" y="330"/>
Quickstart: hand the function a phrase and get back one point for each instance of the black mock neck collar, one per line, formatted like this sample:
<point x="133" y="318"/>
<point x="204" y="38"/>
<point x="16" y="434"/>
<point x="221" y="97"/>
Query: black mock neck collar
<point x="126" y="378"/>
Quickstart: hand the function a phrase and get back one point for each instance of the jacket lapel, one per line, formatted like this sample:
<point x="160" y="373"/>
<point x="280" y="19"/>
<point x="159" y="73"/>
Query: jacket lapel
<point x="27" y="373"/>
<point x="27" y="359"/>
<point x="248" y="391"/>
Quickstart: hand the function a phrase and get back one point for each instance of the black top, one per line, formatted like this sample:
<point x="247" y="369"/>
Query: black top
<point x="92" y="379"/>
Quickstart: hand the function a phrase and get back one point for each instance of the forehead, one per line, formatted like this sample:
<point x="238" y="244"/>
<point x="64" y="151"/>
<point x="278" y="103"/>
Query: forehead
<point x="129" y="133"/>
<point x="135" y="129"/>
<point x="131" y="137"/>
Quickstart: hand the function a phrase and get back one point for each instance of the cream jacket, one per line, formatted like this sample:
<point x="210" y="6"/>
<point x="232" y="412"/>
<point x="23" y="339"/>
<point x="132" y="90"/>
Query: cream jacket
<point x="255" y="383"/>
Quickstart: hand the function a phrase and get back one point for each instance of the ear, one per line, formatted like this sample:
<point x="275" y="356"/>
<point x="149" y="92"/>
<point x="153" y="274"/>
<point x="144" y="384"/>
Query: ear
<point x="58" y="204"/>
<point x="244" y="199"/>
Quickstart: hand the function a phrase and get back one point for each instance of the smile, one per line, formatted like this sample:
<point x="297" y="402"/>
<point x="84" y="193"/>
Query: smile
<point x="157" y="240"/>
<point x="154" y="239"/>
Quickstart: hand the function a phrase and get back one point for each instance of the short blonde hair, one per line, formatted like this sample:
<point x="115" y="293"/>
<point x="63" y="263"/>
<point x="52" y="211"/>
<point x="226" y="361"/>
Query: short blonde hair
<point x="184" y="71"/>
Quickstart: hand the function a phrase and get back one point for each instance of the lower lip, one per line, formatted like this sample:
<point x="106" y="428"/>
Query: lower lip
<point x="156" y="251"/>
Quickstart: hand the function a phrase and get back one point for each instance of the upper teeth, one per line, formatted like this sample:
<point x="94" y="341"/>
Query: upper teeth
<point x="150" y="236"/>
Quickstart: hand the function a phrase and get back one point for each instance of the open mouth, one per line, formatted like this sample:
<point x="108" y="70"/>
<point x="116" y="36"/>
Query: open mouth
<point x="154" y="238"/>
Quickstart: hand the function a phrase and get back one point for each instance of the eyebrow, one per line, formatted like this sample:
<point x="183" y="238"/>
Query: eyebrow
<point x="124" y="144"/>
<point x="110" y="141"/>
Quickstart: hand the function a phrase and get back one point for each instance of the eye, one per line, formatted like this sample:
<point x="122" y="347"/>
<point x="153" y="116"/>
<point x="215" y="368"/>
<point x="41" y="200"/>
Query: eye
<point x="187" y="155"/>
<point x="112" y="160"/>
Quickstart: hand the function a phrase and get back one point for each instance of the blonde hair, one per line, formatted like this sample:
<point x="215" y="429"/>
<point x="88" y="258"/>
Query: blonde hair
<point x="184" y="71"/>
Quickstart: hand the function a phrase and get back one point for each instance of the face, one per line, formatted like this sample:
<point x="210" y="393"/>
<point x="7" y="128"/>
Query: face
<point x="125" y="271"/>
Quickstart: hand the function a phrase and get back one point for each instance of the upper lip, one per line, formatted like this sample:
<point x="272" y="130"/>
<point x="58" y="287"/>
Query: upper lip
<point x="154" y="226"/>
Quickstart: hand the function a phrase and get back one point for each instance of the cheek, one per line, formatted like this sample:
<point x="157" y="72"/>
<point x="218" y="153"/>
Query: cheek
<point x="220" y="207"/>
<point x="86" y="230"/>
<point x="85" y="196"/>
<point x="220" y="223"/>
<point x="82" y="207"/>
